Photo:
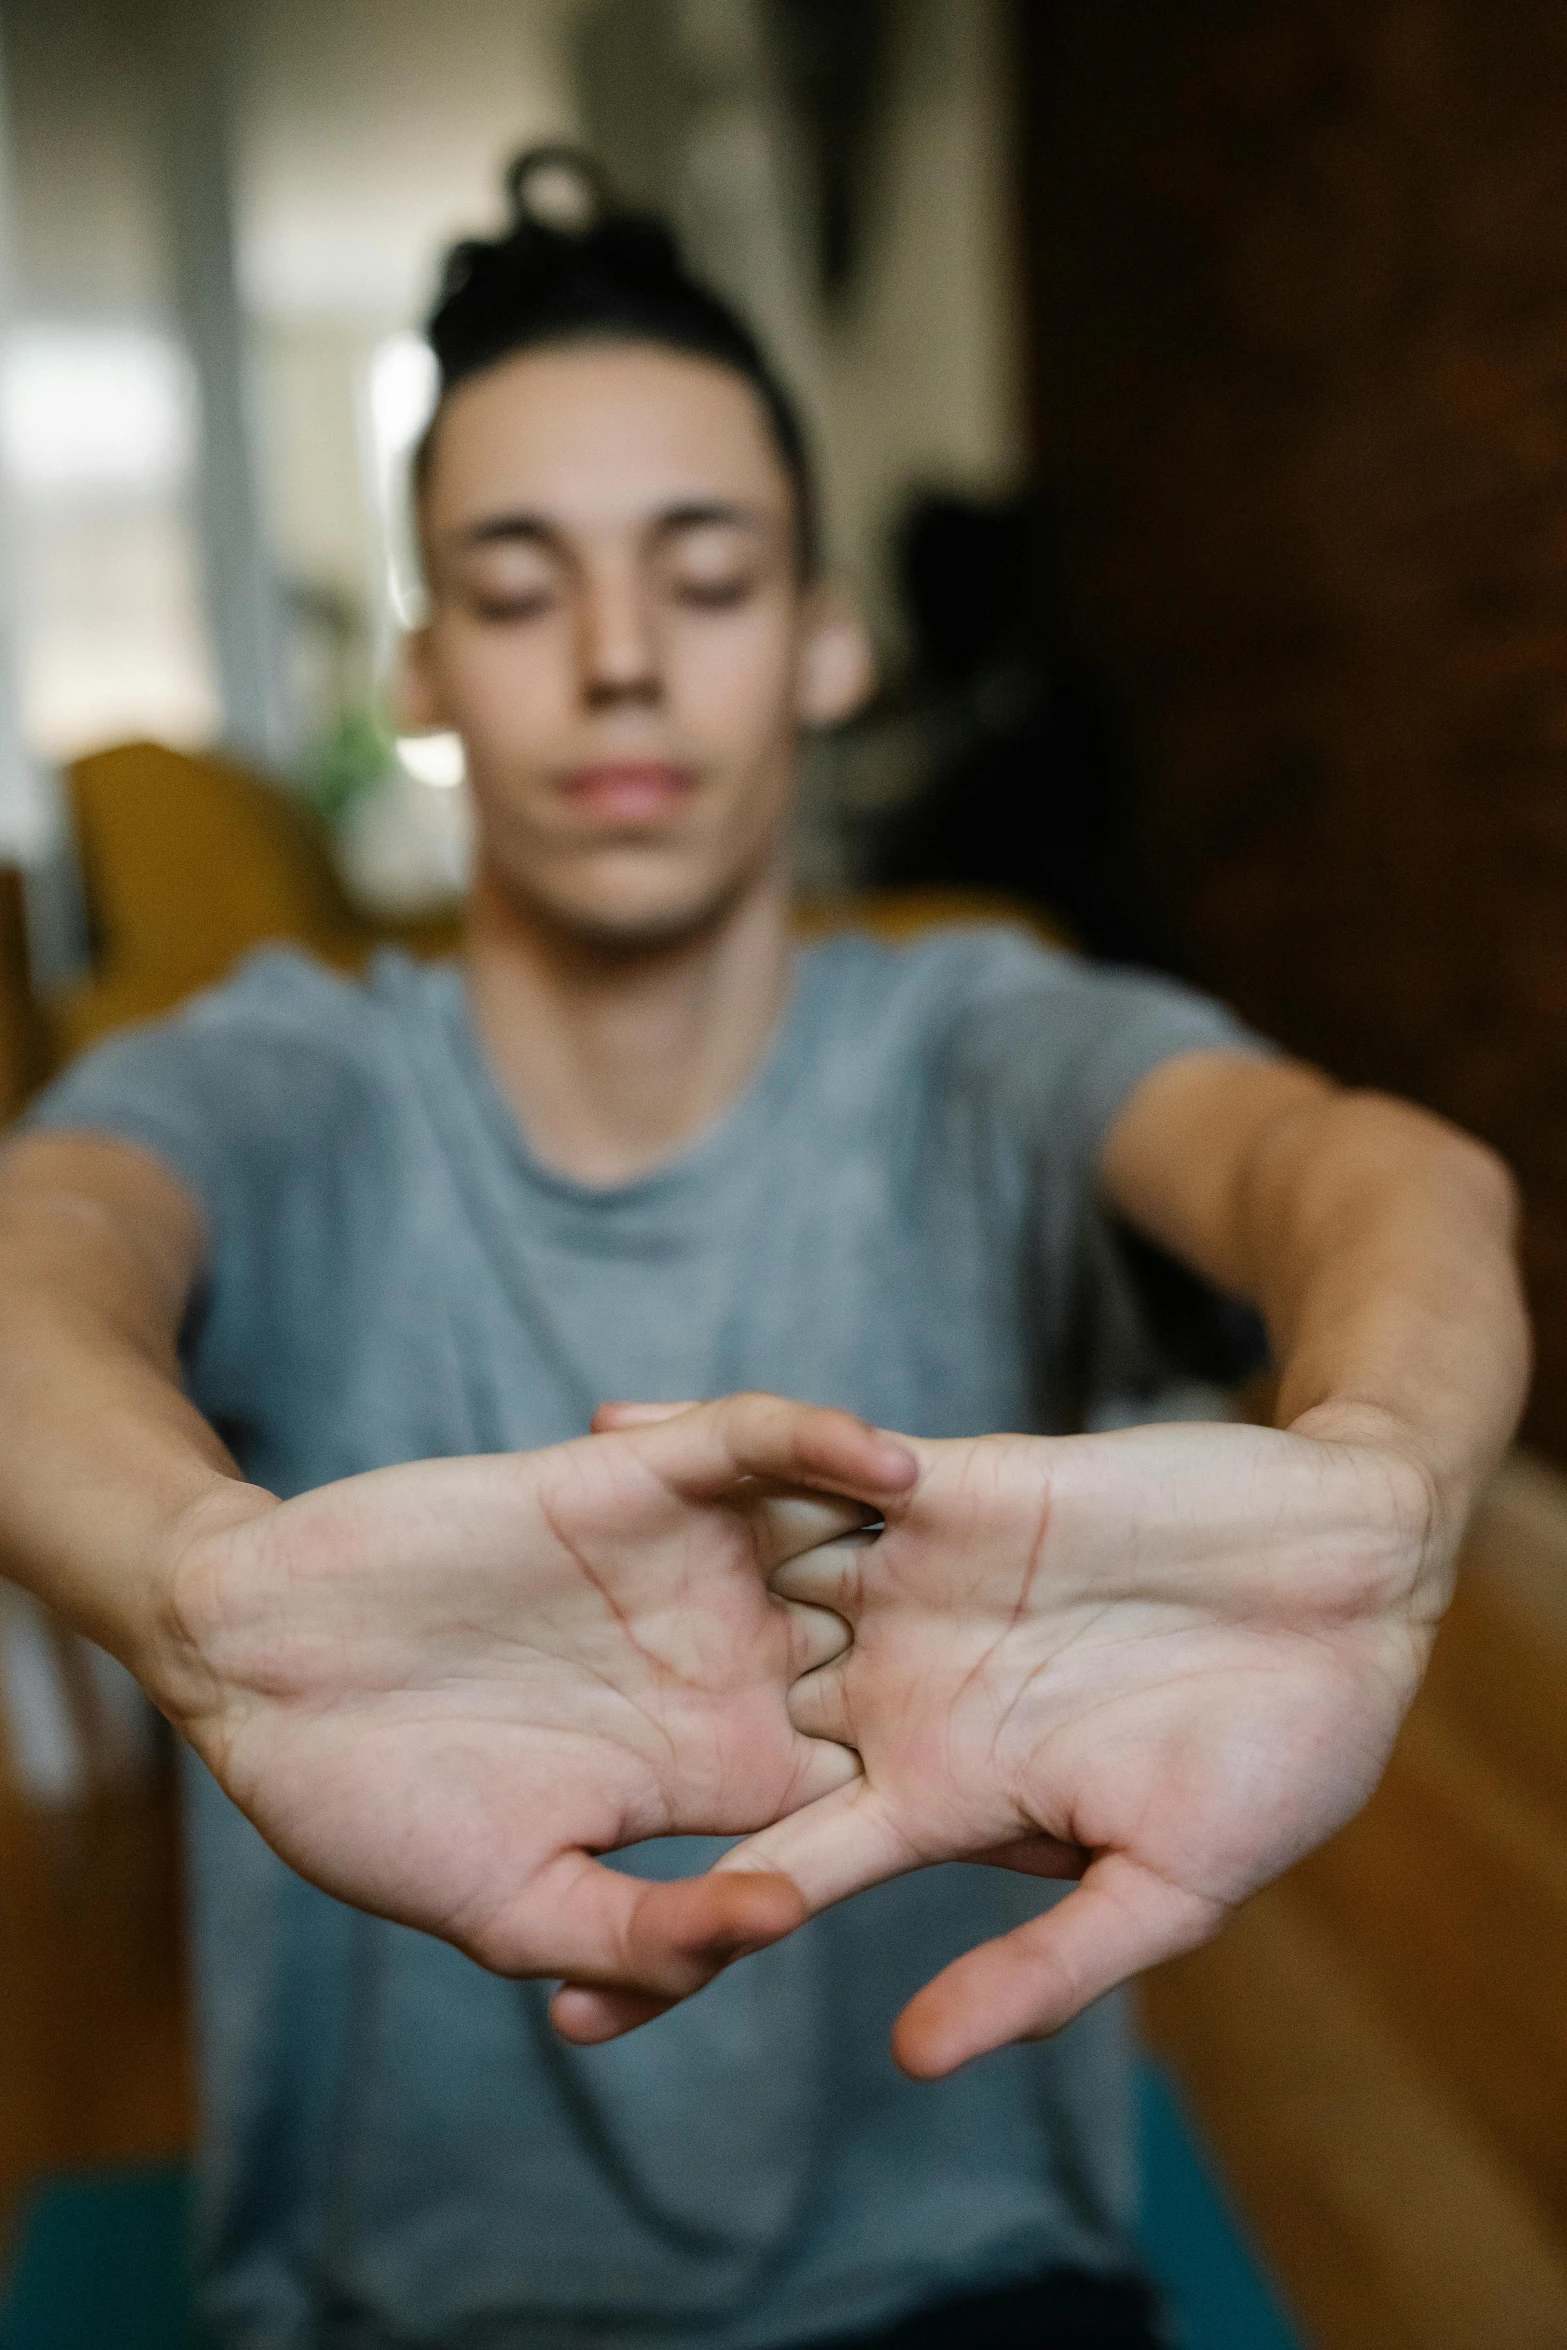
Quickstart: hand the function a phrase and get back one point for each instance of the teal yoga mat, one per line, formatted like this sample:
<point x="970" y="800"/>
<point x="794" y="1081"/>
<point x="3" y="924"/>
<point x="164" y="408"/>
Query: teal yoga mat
<point x="1192" y="2240"/>
<point x="100" y="2265"/>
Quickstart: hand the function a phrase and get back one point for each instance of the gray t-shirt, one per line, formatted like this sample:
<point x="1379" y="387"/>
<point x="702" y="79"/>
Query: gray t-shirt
<point x="897" y="1216"/>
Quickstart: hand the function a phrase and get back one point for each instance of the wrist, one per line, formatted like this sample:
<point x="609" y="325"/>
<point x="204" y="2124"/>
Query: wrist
<point x="1456" y="1470"/>
<point x="182" y="1620"/>
<point x="1439" y="1486"/>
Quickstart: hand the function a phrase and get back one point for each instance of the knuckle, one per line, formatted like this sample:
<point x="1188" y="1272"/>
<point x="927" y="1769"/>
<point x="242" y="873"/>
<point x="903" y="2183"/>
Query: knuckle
<point x="496" y="1947"/>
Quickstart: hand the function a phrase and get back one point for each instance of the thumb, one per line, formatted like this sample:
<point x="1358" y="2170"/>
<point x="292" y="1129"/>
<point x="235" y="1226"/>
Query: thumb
<point x="596" y="1925"/>
<point x="761" y="1890"/>
<point x="1121" y="1919"/>
<point x="677" y="1937"/>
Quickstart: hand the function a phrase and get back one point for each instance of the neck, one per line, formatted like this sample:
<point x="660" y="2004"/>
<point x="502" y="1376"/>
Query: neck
<point x="614" y="1057"/>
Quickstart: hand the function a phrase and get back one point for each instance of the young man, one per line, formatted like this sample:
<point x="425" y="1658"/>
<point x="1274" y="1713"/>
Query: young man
<point x="299" y="1284"/>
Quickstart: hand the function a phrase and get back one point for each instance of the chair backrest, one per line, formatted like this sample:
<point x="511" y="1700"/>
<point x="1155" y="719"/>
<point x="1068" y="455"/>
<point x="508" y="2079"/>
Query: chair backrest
<point x="898" y="915"/>
<point x="187" y="863"/>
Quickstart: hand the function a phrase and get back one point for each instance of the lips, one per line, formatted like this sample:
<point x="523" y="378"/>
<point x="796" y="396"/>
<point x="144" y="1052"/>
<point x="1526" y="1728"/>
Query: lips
<point x="640" y="791"/>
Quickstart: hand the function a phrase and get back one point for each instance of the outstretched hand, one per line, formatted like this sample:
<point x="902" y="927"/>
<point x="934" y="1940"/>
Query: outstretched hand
<point x="1168" y="1661"/>
<point x="440" y="1690"/>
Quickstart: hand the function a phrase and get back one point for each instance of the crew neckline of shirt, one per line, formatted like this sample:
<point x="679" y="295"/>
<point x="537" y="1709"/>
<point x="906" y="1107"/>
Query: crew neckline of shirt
<point x="718" y="1139"/>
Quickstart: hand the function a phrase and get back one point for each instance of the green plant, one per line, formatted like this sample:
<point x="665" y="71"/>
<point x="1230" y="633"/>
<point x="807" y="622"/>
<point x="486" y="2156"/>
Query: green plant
<point x="353" y="759"/>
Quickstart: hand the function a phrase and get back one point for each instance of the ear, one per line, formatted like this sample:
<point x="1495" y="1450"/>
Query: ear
<point x="417" y="706"/>
<point x="837" y="665"/>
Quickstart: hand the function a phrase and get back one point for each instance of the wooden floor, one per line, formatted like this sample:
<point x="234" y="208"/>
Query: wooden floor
<point x="94" y="2065"/>
<point x="1376" y="2047"/>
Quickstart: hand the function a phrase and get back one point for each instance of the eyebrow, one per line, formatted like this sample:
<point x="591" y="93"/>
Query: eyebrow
<point x="525" y="528"/>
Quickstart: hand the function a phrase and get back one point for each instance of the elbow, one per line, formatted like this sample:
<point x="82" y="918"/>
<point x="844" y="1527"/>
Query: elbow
<point x="1495" y="1182"/>
<point x="1477" y="1172"/>
<point x="1448" y="1154"/>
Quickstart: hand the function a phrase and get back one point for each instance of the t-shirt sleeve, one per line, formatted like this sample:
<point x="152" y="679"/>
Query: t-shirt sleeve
<point x="1060" y="1044"/>
<point x="1056" y="1047"/>
<point x="230" y="1092"/>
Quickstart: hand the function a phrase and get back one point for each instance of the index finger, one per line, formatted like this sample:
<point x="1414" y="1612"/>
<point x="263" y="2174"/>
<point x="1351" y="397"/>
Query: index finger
<point x="785" y="1523"/>
<point x="788" y="1525"/>
<point x="705" y="1452"/>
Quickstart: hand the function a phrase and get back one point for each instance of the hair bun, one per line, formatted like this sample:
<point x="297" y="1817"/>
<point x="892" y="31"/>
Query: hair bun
<point x="564" y="209"/>
<point x="578" y="176"/>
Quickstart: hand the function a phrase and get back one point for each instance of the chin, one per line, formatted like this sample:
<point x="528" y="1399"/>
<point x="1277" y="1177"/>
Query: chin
<point x="627" y="913"/>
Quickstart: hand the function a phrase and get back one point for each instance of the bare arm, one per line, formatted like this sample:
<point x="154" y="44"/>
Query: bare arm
<point x="1376" y="1239"/>
<point x="1171" y="1660"/>
<point x="438" y="1690"/>
<point x="106" y="1465"/>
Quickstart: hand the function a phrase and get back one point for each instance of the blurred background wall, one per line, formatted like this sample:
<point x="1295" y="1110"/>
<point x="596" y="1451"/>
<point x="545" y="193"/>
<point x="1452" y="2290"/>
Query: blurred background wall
<point x="1298" y="304"/>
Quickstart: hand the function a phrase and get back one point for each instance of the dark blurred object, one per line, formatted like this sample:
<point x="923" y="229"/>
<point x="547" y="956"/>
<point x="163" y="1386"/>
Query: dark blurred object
<point x="830" y="56"/>
<point x="1201" y="1333"/>
<point x="1027" y="792"/>
<point x="24" y="1048"/>
<point x="1068" y="2309"/>
<point x="968" y="573"/>
<point x="1027" y="785"/>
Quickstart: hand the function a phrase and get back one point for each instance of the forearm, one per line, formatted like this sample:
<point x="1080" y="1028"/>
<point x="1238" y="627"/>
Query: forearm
<point x="1380" y="1247"/>
<point x="1376" y="1239"/>
<point x="105" y="1462"/>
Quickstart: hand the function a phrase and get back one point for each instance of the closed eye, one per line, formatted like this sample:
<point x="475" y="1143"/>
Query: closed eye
<point x="519" y="606"/>
<point x="714" y="595"/>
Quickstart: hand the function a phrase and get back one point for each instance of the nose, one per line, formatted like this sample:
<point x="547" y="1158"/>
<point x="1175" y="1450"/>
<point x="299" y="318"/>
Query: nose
<point x="618" y="642"/>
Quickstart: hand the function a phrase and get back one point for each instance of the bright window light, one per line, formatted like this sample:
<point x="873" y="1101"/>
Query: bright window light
<point x="89" y="410"/>
<point x="401" y="388"/>
<point x="433" y="758"/>
<point x="402" y="395"/>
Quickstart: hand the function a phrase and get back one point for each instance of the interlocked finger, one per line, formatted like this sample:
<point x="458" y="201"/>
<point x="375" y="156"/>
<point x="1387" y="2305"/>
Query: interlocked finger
<point x="788" y="1524"/>
<point x="816" y="1636"/>
<point x="830" y="1575"/>
<point x="818" y="1704"/>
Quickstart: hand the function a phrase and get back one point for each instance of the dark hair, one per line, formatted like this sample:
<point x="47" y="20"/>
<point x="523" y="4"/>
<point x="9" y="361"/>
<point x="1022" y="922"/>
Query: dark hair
<point x="603" y="273"/>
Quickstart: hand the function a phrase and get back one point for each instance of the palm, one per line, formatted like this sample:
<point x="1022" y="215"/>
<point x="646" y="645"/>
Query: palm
<point x="439" y="1690"/>
<point x="1171" y="1660"/>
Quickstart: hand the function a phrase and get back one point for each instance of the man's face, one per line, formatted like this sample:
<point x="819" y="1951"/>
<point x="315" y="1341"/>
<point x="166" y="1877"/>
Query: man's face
<point x="618" y="633"/>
